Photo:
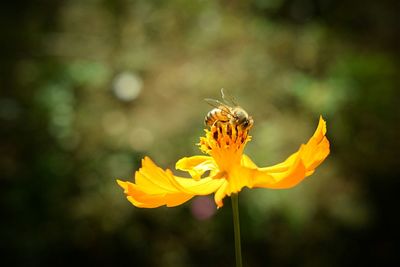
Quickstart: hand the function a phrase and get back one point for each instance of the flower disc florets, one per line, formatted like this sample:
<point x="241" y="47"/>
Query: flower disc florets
<point x="224" y="136"/>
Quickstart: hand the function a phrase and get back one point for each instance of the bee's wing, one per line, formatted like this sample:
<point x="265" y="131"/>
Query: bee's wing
<point x="213" y="102"/>
<point x="217" y="104"/>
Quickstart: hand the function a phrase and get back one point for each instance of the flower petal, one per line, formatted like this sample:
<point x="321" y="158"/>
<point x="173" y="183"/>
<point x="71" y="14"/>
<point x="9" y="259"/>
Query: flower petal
<point x="247" y="162"/>
<point x="196" y="165"/>
<point x="295" y="168"/>
<point x="234" y="180"/>
<point x="155" y="187"/>
<point x="221" y="193"/>
<point x="139" y="198"/>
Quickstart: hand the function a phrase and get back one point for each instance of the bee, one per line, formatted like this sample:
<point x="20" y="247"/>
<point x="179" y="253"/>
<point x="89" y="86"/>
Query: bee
<point x="227" y="113"/>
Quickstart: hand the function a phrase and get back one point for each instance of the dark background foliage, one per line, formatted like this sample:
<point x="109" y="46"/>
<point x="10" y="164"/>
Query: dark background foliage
<point x="90" y="87"/>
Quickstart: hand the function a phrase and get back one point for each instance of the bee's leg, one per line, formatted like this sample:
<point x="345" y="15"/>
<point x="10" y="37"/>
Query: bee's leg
<point x="217" y="123"/>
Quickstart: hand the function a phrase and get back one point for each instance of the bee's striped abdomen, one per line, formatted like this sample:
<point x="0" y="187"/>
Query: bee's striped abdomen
<point x="216" y="114"/>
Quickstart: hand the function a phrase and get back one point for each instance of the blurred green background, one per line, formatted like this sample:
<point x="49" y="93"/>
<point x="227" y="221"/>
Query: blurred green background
<point x="90" y="87"/>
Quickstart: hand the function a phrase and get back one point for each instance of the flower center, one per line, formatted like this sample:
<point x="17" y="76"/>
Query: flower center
<point x="225" y="143"/>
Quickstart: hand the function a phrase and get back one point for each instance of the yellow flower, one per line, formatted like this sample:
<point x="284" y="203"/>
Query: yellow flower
<point x="229" y="170"/>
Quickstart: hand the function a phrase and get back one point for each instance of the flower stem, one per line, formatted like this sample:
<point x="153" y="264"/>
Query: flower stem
<point x="236" y="227"/>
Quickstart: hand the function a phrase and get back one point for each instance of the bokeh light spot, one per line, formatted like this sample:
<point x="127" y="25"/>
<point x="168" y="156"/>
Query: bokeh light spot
<point x="203" y="208"/>
<point x="127" y="86"/>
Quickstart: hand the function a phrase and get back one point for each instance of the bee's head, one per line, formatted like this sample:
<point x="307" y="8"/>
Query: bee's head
<point x="242" y="118"/>
<point x="240" y="115"/>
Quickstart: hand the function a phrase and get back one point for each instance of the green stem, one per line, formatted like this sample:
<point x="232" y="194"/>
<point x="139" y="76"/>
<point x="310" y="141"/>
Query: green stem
<point x="236" y="227"/>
